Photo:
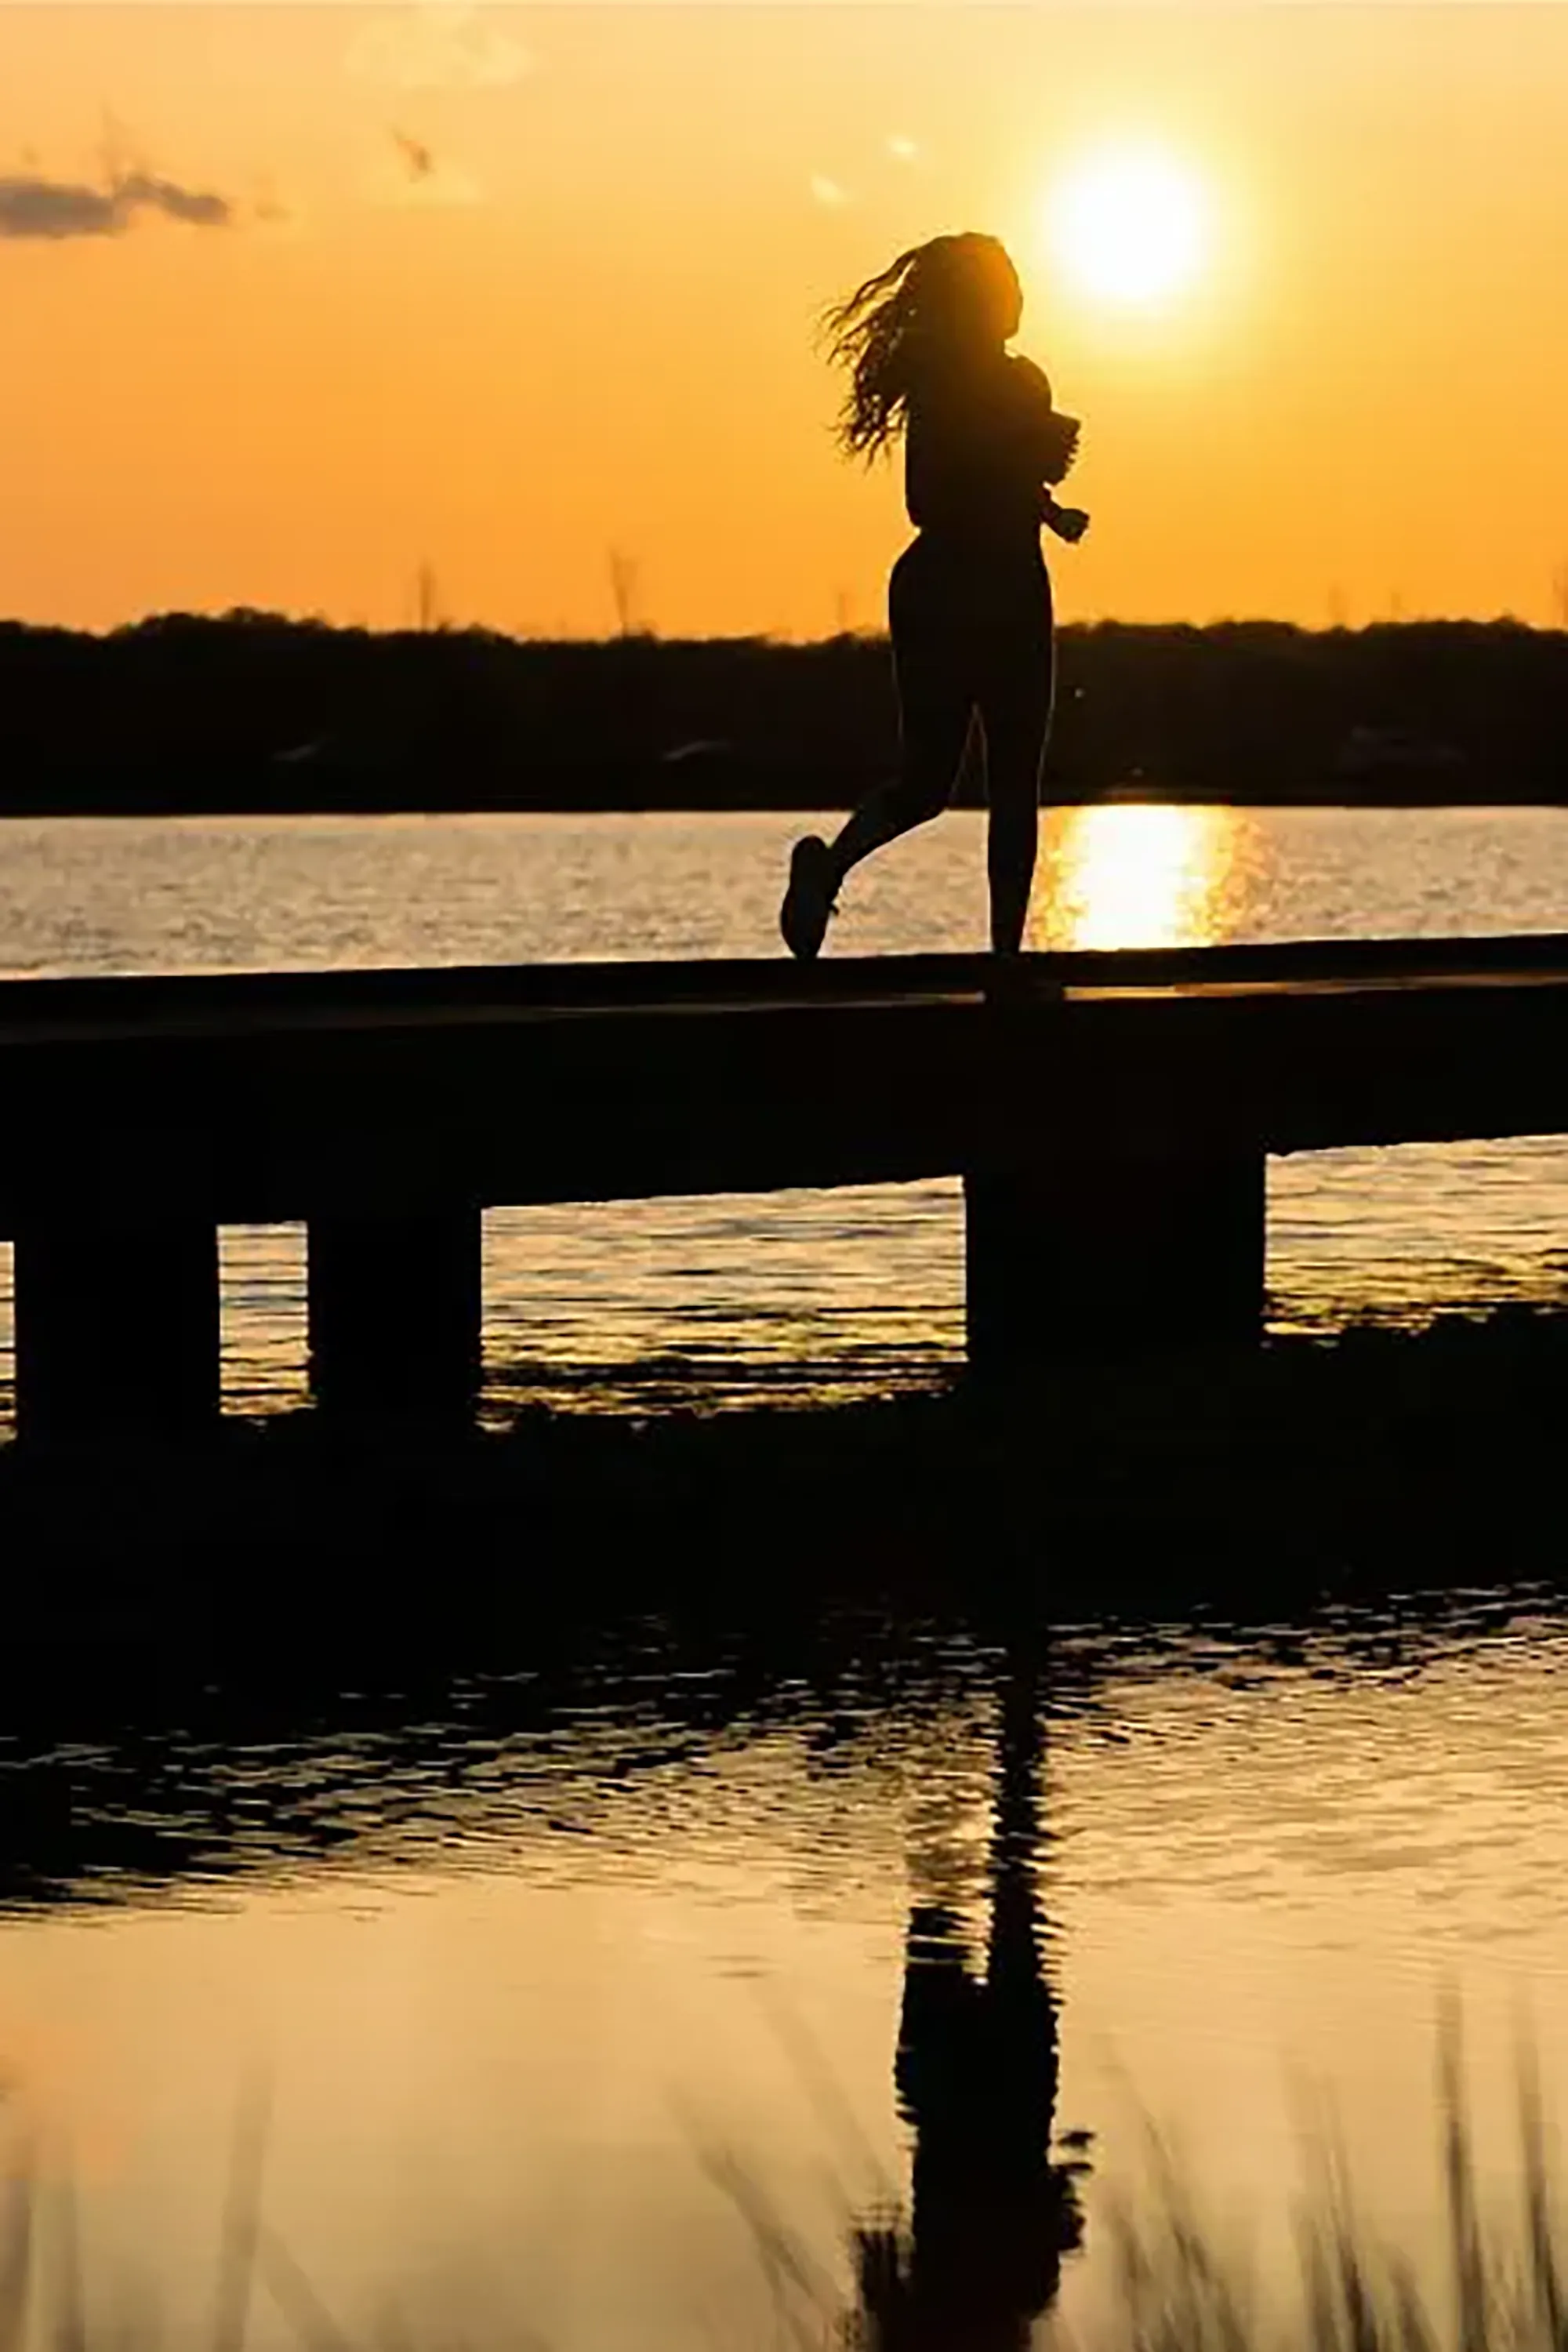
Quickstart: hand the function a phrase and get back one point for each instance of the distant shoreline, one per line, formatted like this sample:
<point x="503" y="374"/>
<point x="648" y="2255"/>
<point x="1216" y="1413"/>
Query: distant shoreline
<point x="252" y="714"/>
<point x="114" y="803"/>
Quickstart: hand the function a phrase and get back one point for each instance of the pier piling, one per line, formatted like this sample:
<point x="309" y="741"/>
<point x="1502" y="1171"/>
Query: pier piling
<point x="395" y="1307"/>
<point x="117" y="1327"/>
<point x="1083" y="1254"/>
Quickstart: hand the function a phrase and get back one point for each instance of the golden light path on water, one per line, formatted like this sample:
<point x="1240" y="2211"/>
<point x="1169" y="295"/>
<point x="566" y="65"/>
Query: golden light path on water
<point x="1141" y="875"/>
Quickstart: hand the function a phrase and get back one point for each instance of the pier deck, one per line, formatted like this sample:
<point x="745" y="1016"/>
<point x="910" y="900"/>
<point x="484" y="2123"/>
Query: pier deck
<point x="1111" y="1123"/>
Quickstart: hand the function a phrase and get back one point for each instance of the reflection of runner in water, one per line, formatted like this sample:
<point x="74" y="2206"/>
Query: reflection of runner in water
<point x="970" y="600"/>
<point x="977" y="2065"/>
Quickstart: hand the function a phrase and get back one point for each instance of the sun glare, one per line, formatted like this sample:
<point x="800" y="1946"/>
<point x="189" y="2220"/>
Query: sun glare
<point x="1138" y="874"/>
<point x="1130" y="226"/>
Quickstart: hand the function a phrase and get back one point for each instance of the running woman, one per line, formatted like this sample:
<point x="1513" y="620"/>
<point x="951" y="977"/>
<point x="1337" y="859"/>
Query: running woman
<point x="969" y="602"/>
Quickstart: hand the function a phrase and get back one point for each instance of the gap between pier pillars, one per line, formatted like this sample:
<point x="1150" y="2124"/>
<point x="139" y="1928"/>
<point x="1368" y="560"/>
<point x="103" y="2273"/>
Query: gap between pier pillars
<point x="117" y="1326"/>
<point x="394" y="1302"/>
<point x="1110" y="1254"/>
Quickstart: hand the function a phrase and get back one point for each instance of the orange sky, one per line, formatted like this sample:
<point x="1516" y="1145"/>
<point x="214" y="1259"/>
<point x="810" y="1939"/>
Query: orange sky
<point x="583" y="316"/>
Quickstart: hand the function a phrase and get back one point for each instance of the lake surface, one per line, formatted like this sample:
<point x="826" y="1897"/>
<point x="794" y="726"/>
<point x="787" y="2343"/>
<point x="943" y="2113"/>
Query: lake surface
<point x="806" y="1294"/>
<point x="563" y="2008"/>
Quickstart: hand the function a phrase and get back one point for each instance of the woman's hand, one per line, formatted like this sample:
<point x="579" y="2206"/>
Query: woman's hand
<point x="1066" y="520"/>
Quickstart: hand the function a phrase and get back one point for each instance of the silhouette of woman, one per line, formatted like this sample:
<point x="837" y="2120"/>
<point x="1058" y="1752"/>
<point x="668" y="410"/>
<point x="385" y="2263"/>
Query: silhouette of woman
<point x="969" y="603"/>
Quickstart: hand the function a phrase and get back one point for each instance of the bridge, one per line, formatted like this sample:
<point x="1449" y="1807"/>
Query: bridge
<point x="1110" y="1120"/>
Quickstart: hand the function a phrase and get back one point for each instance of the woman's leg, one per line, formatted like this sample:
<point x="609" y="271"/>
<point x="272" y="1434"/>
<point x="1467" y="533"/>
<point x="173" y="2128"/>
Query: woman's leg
<point x="933" y="734"/>
<point x="1015" y="710"/>
<point x="936" y="703"/>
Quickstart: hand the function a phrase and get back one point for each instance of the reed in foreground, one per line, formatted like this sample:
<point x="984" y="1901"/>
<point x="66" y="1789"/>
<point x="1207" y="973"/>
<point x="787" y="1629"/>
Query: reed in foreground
<point x="1490" y="2279"/>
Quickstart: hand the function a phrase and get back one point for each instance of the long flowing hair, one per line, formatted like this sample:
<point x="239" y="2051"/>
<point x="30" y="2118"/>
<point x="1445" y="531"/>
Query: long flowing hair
<point x="890" y="329"/>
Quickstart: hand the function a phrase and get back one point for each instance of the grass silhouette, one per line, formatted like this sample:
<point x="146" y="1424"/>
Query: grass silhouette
<point x="1175" y="2283"/>
<point x="1177" y="2289"/>
<point x="1171" y="2283"/>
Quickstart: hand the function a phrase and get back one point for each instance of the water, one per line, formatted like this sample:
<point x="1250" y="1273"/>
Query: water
<point x="554" y="1981"/>
<point x="571" y="1994"/>
<point x="807" y="1294"/>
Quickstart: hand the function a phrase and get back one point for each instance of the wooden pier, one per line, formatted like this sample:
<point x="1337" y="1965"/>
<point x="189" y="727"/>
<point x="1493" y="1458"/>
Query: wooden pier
<point x="1110" y="1125"/>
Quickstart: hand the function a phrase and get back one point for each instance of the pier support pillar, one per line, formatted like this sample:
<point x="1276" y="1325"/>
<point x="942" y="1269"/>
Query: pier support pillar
<point x="395" y="1304"/>
<point x="117" y="1329"/>
<point x="1112" y="1255"/>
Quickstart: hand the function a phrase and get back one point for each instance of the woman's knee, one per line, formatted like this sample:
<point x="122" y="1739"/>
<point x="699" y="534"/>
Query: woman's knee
<point x="923" y="791"/>
<point x="934" y="733"/>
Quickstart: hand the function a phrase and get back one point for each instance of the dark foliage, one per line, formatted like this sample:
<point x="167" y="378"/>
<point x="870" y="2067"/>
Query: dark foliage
<point x="255" y="712"/>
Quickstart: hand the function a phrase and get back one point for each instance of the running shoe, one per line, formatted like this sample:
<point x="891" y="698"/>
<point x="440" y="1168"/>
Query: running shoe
<point x="809" y="901"/>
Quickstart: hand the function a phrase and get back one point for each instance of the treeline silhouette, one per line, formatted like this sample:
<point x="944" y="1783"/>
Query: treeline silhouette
<point x="253" y="711"/>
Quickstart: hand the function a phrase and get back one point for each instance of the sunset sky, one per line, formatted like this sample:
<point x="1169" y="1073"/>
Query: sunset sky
<point x="293" y="297"/>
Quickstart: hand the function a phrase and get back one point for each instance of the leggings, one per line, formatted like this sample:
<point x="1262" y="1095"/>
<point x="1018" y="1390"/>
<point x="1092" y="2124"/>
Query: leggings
<point x="972" y="636"/>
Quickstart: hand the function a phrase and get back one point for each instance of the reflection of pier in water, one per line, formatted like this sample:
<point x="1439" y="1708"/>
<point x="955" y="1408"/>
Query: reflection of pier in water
<point x="991" y="2213"/>
<point x="147" y="1790"/>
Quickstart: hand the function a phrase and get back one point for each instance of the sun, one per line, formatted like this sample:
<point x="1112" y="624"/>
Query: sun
<point x="1130" y="226"/>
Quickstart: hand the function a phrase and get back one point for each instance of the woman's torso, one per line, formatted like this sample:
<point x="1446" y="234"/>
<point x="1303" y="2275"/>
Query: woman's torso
<point x="974" y="454"/>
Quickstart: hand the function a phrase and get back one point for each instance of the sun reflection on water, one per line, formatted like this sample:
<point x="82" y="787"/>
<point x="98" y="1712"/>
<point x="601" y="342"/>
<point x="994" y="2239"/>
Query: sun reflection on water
<point x="1140" y="875"/>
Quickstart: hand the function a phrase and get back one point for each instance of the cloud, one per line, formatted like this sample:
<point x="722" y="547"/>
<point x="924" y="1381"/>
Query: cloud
<point x="444" y="44"/>
<point x="31" y="206"/>
<point x="902" y="150"/>
<point x="147" y="191"/>
<point x="827" y="192"/>
<point x="34" y="207"/>
<point x="420" y="178"/>
<point x="421" y="163"/>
